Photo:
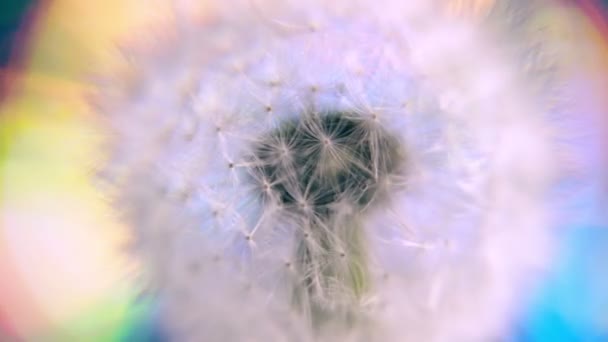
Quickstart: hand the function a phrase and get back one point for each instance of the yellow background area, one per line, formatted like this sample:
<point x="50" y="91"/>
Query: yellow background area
<point x="60" y="248"/>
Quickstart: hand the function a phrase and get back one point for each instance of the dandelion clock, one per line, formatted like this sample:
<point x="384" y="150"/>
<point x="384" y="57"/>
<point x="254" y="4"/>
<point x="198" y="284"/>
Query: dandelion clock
<point x="336" y="170"/>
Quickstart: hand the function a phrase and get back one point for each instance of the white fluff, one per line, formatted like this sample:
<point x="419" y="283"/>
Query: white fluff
<point x="454" y="246"/>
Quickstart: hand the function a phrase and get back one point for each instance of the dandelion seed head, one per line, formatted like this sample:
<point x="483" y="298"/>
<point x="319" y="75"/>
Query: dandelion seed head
<point x="361" y="169"/>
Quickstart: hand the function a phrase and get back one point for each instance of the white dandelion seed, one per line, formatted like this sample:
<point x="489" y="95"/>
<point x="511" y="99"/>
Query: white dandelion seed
<point x="353" y="170"/>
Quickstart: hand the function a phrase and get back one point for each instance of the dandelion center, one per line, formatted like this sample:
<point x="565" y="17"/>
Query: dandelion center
<point x="325" y="168"/>
<point x="321" y="160"/>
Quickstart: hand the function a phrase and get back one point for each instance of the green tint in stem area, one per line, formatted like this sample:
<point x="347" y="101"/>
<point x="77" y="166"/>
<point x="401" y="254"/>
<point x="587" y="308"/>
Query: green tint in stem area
<point x="332" y="274"/>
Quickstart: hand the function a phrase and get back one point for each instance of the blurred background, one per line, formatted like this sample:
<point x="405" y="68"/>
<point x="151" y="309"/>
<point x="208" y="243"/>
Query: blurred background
<point x="62" y="274"/>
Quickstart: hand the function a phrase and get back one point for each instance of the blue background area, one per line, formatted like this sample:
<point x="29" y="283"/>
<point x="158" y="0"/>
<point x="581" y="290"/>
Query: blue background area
<point x="12" y="13"/>
<point x="573" y="305"/>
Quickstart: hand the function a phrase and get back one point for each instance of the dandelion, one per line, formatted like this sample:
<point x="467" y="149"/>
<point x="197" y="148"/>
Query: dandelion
<point x="335" y="171"/>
